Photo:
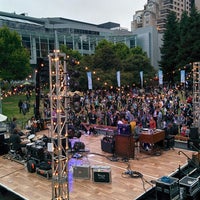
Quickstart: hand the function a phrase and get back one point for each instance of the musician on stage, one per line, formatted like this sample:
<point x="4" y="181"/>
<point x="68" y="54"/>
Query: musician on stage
<point x="32" y="125"/>
<point x="15" y="141"/>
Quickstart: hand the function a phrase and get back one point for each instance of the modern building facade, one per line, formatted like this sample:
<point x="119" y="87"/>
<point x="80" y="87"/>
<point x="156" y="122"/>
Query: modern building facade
<point x="38" y="34"/>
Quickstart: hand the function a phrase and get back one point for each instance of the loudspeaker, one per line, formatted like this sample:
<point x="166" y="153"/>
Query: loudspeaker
<point x="107" y="145"/>
<point x="81" y="172"/>
<point x="194" y="134"/>
<point x="101" y="174"/>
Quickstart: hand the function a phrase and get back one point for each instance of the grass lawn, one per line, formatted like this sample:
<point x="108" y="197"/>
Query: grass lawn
<point x="10" y="109"/>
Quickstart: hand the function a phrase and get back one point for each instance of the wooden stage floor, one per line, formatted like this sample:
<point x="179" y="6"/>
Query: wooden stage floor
<point x="34" y="187"/>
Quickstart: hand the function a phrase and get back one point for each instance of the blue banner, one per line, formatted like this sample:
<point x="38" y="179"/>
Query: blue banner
<point x="182" y="76"/>
<point x="89" y="76"/>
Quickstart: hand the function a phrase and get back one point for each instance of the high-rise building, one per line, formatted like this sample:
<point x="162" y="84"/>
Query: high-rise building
<point x="155" y="12"/>
<point x="149" y="24"/>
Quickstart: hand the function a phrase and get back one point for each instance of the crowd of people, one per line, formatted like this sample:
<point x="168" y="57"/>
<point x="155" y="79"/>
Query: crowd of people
<point x="161" y="108"/>
<point x="169" y="109"/>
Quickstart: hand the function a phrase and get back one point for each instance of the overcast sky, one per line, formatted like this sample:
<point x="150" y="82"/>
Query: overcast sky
<point x="91" y="11"/>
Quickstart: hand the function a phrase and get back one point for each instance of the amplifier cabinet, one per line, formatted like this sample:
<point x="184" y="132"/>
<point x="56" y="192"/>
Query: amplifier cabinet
<point x="107" y="144"/>
<point x="101" y="174"/>
<point x="81" y="172"/>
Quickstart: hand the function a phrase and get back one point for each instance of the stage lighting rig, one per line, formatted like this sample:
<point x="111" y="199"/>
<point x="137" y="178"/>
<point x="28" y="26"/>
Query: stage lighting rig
<point x="60" y="104"/>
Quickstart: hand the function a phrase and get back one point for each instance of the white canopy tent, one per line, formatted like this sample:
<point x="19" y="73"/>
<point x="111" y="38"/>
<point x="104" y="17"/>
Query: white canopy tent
<point x="3" y="118"/>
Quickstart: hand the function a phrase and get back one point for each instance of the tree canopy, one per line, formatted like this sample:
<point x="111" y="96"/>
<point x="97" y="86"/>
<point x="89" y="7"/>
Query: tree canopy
<point x="14" y="58"/>
<point x="181" y="44"/>
<point x="107" y="59"/>
<point x="110" y="58"/>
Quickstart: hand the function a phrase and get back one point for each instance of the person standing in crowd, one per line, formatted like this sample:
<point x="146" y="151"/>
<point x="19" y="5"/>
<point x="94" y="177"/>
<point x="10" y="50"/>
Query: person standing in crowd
<point x="152" y="123"/>
<point x="159" y="119"/>
<point x="92" y="117"/>
<point x="24" y="108"/>
<point x="20" y="106"/>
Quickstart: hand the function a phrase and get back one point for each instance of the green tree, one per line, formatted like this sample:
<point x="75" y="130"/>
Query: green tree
<point x="136" y="62"/>
<point x="105" y="57"/>
<point x="189" y="48"/>
<point x="194" y="20"/>
<point x="183" y="45"/>
<point x="121" y="50"/>
<point x="74" y="68"/>
<point x="169" y="49"/>
<point x="107" y="60"/>
<point x="14" y="58"/>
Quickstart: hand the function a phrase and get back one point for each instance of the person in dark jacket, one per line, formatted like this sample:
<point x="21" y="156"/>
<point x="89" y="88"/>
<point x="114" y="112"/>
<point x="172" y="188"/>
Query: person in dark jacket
<point x="15" y="141"/>
<point x="13" y="124"/>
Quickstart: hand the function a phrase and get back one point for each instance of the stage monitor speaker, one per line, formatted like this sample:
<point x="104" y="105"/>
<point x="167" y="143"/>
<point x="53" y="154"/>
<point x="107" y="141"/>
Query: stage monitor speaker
<point x="81" y="172"/>
<point x="101" y="174"/>
<point x="107" y="144"/>
<point x="194" y="133"/>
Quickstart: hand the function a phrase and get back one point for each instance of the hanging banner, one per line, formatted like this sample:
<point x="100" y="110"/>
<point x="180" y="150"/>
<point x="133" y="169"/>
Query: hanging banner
<point x="141" y="78"/>
<point x="89" y="76"/>
<point x="182" y="76"/>
<point x="118" y="79"/>
<point x="160" y="77"/>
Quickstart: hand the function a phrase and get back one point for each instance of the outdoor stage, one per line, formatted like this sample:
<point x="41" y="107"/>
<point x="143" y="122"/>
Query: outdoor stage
<point x="31" y="186"/>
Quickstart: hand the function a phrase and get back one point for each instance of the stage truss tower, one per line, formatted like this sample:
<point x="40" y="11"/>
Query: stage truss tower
<point x="59" y="103"/>
<point x="196" y="94"/>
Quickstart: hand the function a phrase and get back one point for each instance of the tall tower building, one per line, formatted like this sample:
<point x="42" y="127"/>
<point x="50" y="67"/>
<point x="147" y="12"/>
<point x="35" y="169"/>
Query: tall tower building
<point x="155" y="13"/>
<point x="177" y="6"/>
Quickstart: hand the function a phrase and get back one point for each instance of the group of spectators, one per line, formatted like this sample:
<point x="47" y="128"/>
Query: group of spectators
<point x="164" y="108"/>
<point x="171" y="109"/>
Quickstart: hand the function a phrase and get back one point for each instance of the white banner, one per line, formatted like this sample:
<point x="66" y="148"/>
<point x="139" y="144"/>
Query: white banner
<point x="118" y="79"/>
<point x="141" y="78"/>
<point x="160" y="77"/>
<point x="89" y="76"/>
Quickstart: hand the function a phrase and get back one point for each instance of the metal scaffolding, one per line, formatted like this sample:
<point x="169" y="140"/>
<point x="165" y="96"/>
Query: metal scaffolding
<point x="196" y="94"/>
<point x="59" y="103"/>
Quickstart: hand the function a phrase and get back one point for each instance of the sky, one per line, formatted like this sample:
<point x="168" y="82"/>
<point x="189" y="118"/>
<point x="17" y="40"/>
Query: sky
<point x="90" y="11"/>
